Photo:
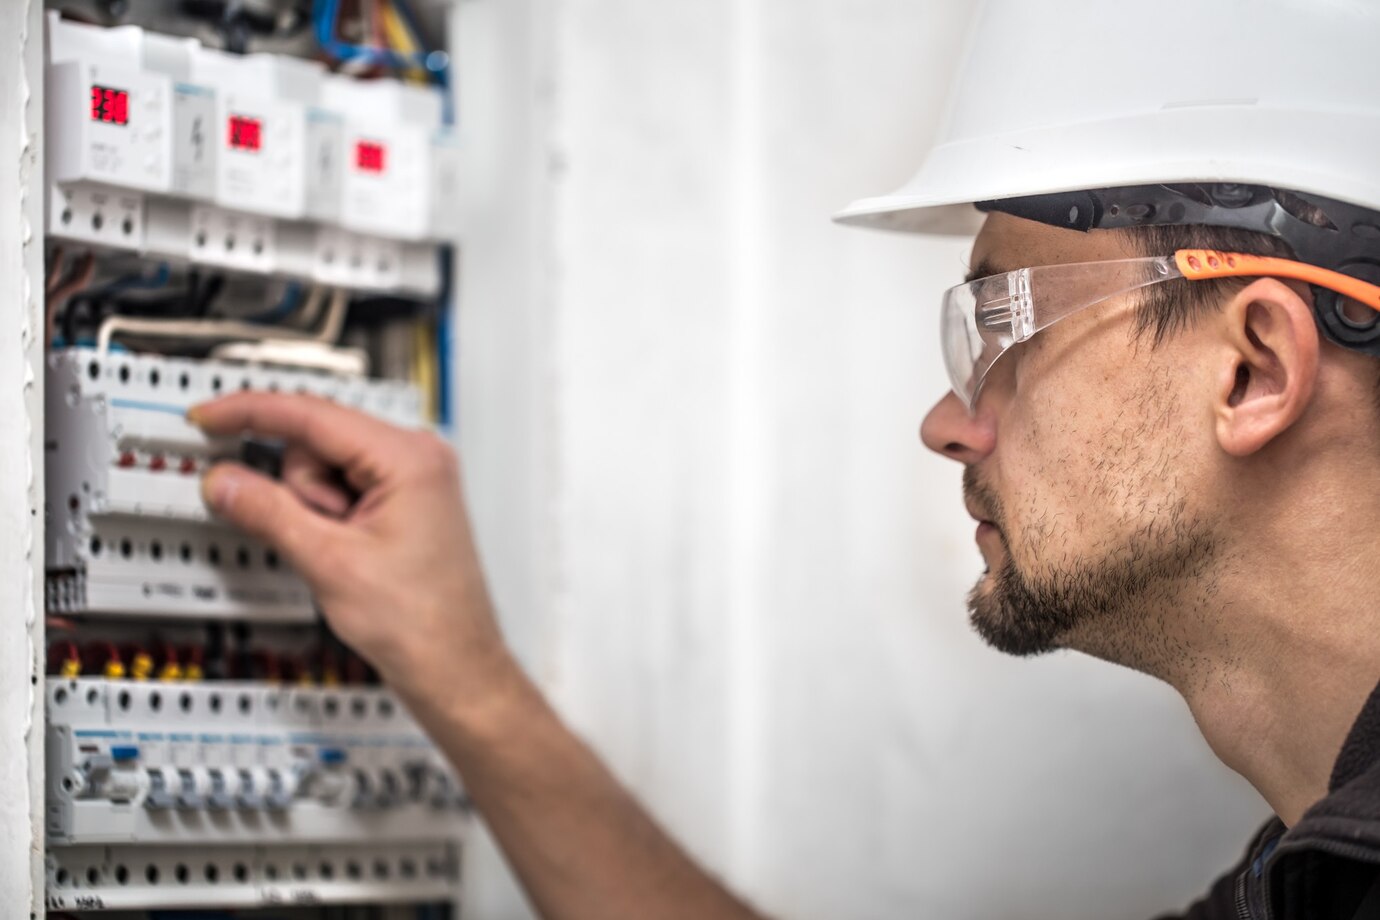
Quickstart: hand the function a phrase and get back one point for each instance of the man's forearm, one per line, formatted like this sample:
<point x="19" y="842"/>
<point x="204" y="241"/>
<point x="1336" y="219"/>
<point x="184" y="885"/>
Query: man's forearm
<point x="581" y="845"/>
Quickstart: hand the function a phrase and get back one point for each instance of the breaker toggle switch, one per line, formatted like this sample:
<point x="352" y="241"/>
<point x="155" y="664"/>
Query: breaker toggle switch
<point x="160" y="797"/>
<point x="250" y="797"/>
<point x="112" y="777"/>
<point x="442" y="791"/>
<point x="189" y="797"/>
<point x="390" y="790"/>
<point x="417" y="774"/>
<point x="220" y="797"/>
<point x="280" y="791"/>
<point x="328" y="786"/>
<point x="364" y="796"/>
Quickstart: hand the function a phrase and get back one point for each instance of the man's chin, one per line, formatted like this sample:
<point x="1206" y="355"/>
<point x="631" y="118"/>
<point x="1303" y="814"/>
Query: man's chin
<point x="1009" y="617"/>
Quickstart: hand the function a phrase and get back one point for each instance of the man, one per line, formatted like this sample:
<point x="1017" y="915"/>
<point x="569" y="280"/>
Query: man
<point x="1165" y="400"/>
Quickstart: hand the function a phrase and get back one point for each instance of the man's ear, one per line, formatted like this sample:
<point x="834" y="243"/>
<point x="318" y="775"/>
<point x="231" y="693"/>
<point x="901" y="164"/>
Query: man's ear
<point x="1269" y="367"/>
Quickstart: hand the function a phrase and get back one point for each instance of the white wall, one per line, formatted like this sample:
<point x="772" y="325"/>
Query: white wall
<point x="688" y="414"/>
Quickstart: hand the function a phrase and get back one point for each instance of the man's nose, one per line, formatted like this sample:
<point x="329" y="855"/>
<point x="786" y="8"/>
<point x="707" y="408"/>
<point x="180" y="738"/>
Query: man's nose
<point x="948" y="429"/>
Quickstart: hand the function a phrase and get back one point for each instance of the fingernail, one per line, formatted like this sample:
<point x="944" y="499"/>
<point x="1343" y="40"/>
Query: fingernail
<point x="218" y="488"/>
<point x="194" y="415"/>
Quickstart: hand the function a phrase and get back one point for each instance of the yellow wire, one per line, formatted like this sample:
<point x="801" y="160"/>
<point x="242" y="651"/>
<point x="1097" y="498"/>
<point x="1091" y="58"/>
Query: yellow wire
<point x="424" y="367"/>
<point x="395" y="31"/>
<point x="399" y="38"/>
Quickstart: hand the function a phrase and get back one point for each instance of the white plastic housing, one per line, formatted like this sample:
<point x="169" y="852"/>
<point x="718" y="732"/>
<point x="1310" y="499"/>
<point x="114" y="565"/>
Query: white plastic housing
<point x="446" y="222"/>
<point x="134" y="152"/>
<point x="260" y="137"/>
<point x="152" y="877"/>
<point x="193" y="115"/>
<point x="386" y="189"/>
<point x="97" y="216"/>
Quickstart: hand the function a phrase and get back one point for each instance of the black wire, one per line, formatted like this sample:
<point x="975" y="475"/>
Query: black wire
<point x="77" y="304"/>
<point x="213" y="663"/>
<point x="209" y="292"/>
<point x="193" y="289"/>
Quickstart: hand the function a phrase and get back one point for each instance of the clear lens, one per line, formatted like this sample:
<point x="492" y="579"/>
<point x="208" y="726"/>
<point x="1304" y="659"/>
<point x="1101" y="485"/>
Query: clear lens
<point x="981" y="320"/>
<point x="974" y="334"/>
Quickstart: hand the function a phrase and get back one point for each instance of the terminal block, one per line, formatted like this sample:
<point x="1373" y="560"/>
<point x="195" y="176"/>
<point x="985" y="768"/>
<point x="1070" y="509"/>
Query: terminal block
<point x="160" y="877"/>
<point x="127" y="530"/>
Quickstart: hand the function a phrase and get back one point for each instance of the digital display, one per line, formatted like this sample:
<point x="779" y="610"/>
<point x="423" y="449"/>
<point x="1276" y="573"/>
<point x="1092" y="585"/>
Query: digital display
<point x="245" y="133"/>
<point x="369" y="156"/>
<point x="109" y="105"/>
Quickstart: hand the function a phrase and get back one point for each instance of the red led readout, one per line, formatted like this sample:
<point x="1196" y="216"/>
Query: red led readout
<point x="245" y="133"/>
<point x="369" y="156"/>
<point x="110" y="106"/>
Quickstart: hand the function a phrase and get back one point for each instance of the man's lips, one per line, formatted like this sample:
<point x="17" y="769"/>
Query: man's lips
<point x="986" y="527"/>
<point x="978" y="515"/>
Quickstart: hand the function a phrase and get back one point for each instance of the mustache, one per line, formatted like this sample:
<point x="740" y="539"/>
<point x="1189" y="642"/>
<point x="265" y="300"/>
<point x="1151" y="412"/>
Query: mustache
<point x="982" y="497"/>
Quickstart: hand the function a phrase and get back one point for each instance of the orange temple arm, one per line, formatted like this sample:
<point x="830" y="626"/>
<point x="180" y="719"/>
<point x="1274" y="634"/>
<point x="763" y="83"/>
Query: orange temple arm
<point x="1201" y="264"/>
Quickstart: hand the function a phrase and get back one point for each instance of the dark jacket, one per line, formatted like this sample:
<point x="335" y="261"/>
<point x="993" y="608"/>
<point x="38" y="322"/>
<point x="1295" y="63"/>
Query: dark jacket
<point x="1327" y="866"/>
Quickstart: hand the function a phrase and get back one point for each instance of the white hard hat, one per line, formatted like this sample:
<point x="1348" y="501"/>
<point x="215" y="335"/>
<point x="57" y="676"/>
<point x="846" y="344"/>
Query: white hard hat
<point x="1064" y="95"/>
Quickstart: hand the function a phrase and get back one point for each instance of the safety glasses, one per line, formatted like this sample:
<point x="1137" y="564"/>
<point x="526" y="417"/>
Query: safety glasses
<point x="982" y="319"/>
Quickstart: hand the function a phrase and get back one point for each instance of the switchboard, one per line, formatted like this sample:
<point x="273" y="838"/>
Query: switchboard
<point x="231" y="206"/>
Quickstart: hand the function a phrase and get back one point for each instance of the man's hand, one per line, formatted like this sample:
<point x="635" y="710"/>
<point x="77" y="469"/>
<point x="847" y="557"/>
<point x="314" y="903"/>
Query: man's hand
<point x="372" y="516"/>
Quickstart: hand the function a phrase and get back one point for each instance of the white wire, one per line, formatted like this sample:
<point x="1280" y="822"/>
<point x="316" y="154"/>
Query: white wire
<point x="311" y="308"/>
<point x="230" y="329"/>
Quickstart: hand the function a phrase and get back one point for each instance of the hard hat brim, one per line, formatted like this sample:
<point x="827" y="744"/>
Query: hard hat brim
<point x="1250" y="143"/>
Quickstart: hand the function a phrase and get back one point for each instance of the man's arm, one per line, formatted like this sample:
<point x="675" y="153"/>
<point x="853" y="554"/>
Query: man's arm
<point x="373" y="517"/>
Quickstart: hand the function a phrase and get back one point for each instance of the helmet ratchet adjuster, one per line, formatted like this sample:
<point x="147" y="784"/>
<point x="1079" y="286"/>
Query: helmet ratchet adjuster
<point x="1330" y="234"/>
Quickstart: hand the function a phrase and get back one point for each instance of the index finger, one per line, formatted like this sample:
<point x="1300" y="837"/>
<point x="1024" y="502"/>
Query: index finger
<point x="345" y="438"/>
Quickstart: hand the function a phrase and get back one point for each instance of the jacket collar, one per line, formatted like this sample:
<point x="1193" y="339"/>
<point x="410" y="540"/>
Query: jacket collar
<point x="1361" y="750"/>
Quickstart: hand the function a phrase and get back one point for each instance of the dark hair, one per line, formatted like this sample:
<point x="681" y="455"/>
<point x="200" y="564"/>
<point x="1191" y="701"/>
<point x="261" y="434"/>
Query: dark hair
<point x="1175" y="305"/>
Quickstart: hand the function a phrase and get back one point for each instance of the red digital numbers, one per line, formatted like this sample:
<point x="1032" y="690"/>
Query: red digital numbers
<point x="245" y="133"/>
<point x="109" y="106"/>
<point x="369" y="156"/>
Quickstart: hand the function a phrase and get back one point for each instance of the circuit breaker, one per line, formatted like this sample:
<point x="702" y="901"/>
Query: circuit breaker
<point x="128" y="532"/>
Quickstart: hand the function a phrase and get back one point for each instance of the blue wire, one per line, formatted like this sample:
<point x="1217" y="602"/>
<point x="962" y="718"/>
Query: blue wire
<point x="325" y="13"/>
<point x="444" y="342"/>
<point x="114" y="348"/>
<point x="140" y="282"/>
<point x="292" y="297"/>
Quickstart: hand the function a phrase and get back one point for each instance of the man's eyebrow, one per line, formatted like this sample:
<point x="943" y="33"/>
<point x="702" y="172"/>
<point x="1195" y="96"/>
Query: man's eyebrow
<point x="983" y="269"/>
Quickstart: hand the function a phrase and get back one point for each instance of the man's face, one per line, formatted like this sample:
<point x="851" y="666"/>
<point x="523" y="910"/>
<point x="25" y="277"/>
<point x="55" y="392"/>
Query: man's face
<point x="1082" y="461"/>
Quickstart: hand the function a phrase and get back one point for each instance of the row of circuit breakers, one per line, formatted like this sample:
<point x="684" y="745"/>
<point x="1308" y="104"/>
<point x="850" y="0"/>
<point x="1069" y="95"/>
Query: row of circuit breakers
<point x="212" y="793"/>
<point x="234" y="790"/>
<point x="259" y="163"/>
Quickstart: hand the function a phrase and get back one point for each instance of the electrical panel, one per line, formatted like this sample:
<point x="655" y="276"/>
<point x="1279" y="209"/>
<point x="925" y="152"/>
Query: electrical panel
<point x="262" y="207"/>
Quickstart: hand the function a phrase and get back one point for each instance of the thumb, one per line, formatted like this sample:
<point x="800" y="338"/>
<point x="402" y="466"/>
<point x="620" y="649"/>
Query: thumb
<point x="269" y="511"/>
